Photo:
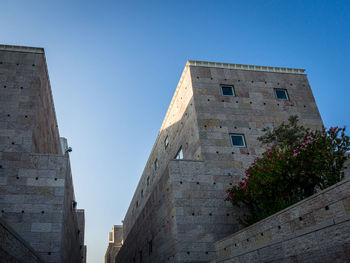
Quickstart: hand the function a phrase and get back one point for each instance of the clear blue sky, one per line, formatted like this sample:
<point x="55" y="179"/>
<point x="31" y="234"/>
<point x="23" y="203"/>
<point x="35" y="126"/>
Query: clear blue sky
<point x="114" y="66"/>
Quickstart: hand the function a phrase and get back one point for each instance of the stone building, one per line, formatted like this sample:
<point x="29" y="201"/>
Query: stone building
<point x="207" y="139"/>
<point x="36" y="189"/>
<point x="115" y="243"/>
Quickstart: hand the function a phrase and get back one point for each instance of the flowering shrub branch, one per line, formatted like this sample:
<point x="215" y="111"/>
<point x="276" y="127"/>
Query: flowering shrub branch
<point x="291" y="170"/>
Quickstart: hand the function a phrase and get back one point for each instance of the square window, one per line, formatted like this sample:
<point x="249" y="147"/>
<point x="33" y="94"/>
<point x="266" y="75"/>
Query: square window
<point x="179" y="154"/>
<point x="238" y="140"/>
<point x="166" y="142"/>
<point x="156" y="164"/>
<point x="281" y="94"/>
<point x="228" y="91"/>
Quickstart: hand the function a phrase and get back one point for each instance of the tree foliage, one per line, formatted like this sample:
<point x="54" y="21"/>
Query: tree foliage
<point x="300" y="162"/>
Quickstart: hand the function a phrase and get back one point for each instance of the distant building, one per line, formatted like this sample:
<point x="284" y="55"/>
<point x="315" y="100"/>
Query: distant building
<point x="114" y="245"/>
<point x="36" y="189"/>
<point x="207" y="139"/>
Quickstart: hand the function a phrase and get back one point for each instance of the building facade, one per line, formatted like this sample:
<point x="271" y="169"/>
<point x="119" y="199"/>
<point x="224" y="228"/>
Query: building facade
<point x="207" y="139"/>
<point x="114" y="244"/>
<point x="36" y="190"/>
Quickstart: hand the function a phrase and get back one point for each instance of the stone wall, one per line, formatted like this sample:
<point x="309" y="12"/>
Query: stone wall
<point x="180" y="128"/>
<point x="184" y="200"/>
<point x="316" y="229"/>
<point x="36" y="188"/>
<point x="13" y="249"/>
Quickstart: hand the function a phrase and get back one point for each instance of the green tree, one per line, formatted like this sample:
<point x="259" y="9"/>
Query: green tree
<point x="300" y="163"/>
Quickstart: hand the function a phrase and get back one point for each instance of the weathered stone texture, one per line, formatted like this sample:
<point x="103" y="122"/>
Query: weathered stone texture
<point x="316" y="229"/>
<point x="13" y="249"/>
<point x="180" y="205"/>
<point x="36" y="189"/>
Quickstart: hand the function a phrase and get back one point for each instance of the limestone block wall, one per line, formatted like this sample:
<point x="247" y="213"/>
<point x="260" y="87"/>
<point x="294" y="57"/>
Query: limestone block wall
<point x="201" y="215"/>
<point x="180" y="129"/>
<point x="153" y="236"/>
<point x="27" y="115"/>
<point x="13" y="248"/>
<point x="316" y="229"/>
<point x="36" y="188"/>
<point x="253" y="107"/>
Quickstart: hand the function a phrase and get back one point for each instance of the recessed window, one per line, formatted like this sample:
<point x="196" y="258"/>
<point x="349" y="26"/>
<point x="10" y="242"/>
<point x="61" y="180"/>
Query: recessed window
<point x="179" y="154"/>
<point x="228" y="91"/>
<point x="137" y="203"/>
<point x="238" y="140"/>
<point x="148" y="180"/>
<point x="166" y="142"/>
<point x="281" y="94"/>
<point x="142" y="193"/>
<point x="156" y="164"/>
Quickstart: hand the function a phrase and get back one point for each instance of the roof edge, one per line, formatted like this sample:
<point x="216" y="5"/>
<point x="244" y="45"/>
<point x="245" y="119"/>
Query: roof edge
<point x="245" y="67"/>
<point x="13" y="48"/>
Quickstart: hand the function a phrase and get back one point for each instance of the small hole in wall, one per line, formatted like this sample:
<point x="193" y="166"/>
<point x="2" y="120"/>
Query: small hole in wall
<point x="206" y="252"/>
<point x="22" y="211"/>
<point x="214" y="183"/>
<point x="233" y="153"/>
<point x="0" y="62"/>
<point x="265" y="82"/>
<point x="250" y="128"/>
<point x="300" y="218"/>
<point x="43" y="212"/>
<point x="279" y="227"/>
<point x="13" y="143"/>
<point x="327" y="207"/>
<point x="235" y="127"/>
<point x="217" y="152"/>
<point x="17" y="177"/>
<point x="0" y="166"/>
<point x="8" y="115"/>
<point x="229" y="174"/>
<point x="247" y="239"/>
<point x="248" y="153"/>
<point x="197" y="182"/>
<point x="36" y="178"/>
<point x="55" y="179"/>
<point x="227" y="214"/>
<point x="220" y="126"/>
<point x="188" y="252"/>
<point x="210" y="214"/>
<point x="239" y="80"/>
<point x="225" y="79"/>
<point x="205" y="126"/>
<point x="211" y="78"/>
<point x="224" y="248"/>
<point x="4" y="87"/>
<point x="208" y="99"/>
<point x="181" y="182"/>
<point x="2" y="211"/>
<point x="250" y="102"/>
<point x="223" y="101"/>
<point x="252" y="81"/>
<point x="278" y="83"/>
<point x="26" y="116"/>
<point x="235" y="245"/>
<point x="21" y="87"/>
<point x="197" y="77"/>
<point x="304" y="106"/>
<point x="17" y="64"/>
<point x="230" y="183"/>
<point x="264" y="103"/>
<point x="193" y="214"/>
<point x="49" y="253"/>
<point x="236" y="101"/>
<point x="262" y="234"/>
<point x="278" y="104"/>
<point x="291" y="84"/>
<point x="33" y="65"/>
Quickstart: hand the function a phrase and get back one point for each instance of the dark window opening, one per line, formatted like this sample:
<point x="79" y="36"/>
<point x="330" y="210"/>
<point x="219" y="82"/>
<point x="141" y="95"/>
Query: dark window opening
<point x="228" y="91"/>
<point x="238" y="140"/>
<point x="281" y="94"/>
<point x="179" y="154"/>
